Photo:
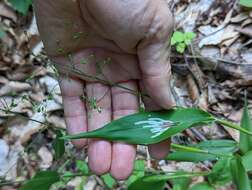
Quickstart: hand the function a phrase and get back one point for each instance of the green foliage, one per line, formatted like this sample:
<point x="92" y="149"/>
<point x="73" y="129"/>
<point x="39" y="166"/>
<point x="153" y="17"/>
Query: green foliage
<point x="221" y="174"/>
<point x="206" y="150"/>
<point x="59" y="145"/>
<point x="138" y="172"/>
<point x="108" y="180"/>
<point x="42" y="181"/>
<point x="182" y="40"/>
<point x="181" y="183"/>
<point x="21" y="6"/>
<point x="246" y="3"/>
<point x="202" y="186"/>
<point x="149" y="127"/>
<point x="246" y="161"/>
<point x="82" y="167"/>
<point x="240" y="177"/>
<point x="246" y="123"/>
<point x="142" y="184"/>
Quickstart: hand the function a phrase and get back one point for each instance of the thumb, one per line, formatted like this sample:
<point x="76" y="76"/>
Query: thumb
<point x="153" y="54"/>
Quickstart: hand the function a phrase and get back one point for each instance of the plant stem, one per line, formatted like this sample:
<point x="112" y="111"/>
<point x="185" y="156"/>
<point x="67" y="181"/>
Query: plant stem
<point x="233" y="126"/>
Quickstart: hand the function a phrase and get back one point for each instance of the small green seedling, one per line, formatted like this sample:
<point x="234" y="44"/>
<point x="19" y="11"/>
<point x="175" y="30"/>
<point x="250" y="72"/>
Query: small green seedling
<point x="181" y="40"/>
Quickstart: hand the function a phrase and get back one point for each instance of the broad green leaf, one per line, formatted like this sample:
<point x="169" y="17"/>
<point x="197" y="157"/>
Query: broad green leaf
<point x="206" y="150"/>
<point x="246" y="123"/>
<point x="181" y="183"/>
<point x="177" y="37"/>
<point x="21" y="6"/>
<point x="240" y="177"/>
<point x="189" y="36"/>
<point x="185" y="156"/>
<point x="141" y="184"/>
<point x="246" y="3"/>
<point x="202" y="186"/>
<point x="149" y="127"/>
<point x="247" y="161"/>
<point x="108" y="180"/>
<point x="82" y="167"/>
<point x="180" y="47"/>
<point x="157" y="182"/>
<point x="41" y="181"/>
<point x="218" y="146"/>
<point x="138" y="172"/>
<point x="221" y="174"/>
<point x="58" y="145"/>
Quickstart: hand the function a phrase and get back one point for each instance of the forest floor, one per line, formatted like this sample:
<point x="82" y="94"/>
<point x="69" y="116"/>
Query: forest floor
<point x="213" y="73"/>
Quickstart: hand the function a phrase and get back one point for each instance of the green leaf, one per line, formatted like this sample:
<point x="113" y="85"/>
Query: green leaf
<point x="246" y="3"/>
<point x="58" y="145"/>
<point x="202" y="186"/>
<point x="177" y="175"/>
<point x="42" y="181"/>
<point x="246" y="123"/>
<point x="177" y="37"/>
<point x="246" y="161"/>
<point x="189" y="36"/>
<point x="240" y="177"/>
<point x="21" y="6"/>
<point x="221" y="174"/>
<point x="181" y="183"/>
<point x="219" y="146"/>
<point x="82" y="167"/>
<point x="138" y="172"/>
<point x="184" y="156"/>
<point x="180" y="47"/>
<point x="142" y="184"/>
<point x="108" y="180"/>
<point x="157" y="182"/>
<point x="149" y="127"/>
<point x="206" y="150"/>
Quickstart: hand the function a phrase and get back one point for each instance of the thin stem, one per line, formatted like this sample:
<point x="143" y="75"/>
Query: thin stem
<point x="233" y="126"/>
<point x="80" y="73"/>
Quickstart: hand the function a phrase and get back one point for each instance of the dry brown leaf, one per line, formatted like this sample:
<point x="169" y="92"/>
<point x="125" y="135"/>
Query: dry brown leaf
<point x="7" y="12"/>
<point x="14" y="87"/>
<point x="46" y="157"/>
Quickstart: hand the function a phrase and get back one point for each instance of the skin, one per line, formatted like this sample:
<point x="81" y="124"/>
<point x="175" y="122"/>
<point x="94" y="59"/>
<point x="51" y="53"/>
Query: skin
<point x="122" y="42"/>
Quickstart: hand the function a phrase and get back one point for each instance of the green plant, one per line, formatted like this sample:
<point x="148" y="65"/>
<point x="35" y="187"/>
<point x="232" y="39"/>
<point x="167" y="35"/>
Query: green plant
<point x="232" y="160"/>
<point x="181" y="40"/>
<point x="22" y="6"/>
<point x="246" y="3"/>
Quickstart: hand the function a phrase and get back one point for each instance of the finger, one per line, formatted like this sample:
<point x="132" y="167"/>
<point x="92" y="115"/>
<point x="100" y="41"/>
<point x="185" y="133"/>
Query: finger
<point x="74" y="107"/>
<point x="98" y="104"/>
<point x="123" y="155"/>
<point x="159" y="150"/>
<point x="153" y="54"/>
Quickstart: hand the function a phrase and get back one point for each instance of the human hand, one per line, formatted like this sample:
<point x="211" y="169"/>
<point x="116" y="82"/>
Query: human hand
<point x="105" y="50"/>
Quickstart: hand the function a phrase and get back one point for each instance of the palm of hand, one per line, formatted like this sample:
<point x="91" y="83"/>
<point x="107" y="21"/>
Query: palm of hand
<point x="97" y="43"/>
